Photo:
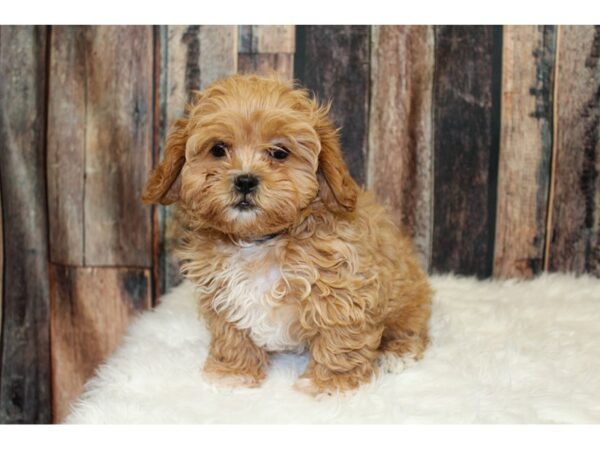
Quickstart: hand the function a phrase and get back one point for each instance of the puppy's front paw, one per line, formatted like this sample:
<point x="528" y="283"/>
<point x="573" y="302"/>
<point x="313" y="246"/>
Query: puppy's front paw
<point x="307" y="386"/>
<point x="224" y="376"/>
<point x="333" y="382"/>
<point x="394" y="363"/>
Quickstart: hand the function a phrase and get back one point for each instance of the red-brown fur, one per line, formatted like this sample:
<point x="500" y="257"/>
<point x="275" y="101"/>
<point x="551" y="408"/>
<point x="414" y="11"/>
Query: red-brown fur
<point x="347" y="283"/>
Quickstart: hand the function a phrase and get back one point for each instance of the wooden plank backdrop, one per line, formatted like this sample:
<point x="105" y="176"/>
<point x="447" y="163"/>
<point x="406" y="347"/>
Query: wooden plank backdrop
<point x="481" y="141"/>
<point x="400" y="133"/>
<point x="99" y="142"/>
<point x="574" y="226"/>
<point x="525" y="149"/>
<point x="466" y="133"/>
<point x="1" y="271"/>
<point x="25" y="359"/>
<point x="267" y="48"/>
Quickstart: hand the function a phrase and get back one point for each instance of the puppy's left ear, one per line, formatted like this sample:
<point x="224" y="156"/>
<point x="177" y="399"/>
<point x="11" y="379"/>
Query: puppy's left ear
<point x="337" y="188"/>
<point x="164" y="182"/>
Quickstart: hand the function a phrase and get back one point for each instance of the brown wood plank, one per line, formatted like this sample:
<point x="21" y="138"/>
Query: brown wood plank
<point x="192" y="57"/>
<point x="274" y="38"/>
<point x="333" y="61"/>
<point x="400" y="133"/>
<point x="1" y="272"/>
<point x="267" y="63"/>
<point x="267" y="39"/>
<point x="264" y="49"/>
<point x="25" y="363"/>
<point x="196" y="56"/>
<point x="118" y="153"/>
<point x="575" y="203"/>
<point x="90" y="310"/>
<point x="66" y="143"/>
<point x="525" y="149"/>
<point x="466" y="134"/>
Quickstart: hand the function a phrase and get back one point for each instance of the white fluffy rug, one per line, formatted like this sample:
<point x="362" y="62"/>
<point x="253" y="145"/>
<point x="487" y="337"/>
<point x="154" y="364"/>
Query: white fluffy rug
<point x="501" y="352"/>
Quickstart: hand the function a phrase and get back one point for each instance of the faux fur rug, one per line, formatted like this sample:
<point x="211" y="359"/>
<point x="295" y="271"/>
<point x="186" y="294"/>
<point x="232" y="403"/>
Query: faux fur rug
<point x="501" y="352"/>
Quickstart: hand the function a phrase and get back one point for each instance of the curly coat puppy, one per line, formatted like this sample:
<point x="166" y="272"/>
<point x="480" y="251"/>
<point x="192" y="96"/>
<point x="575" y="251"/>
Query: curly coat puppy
<point x="286" y="251"/>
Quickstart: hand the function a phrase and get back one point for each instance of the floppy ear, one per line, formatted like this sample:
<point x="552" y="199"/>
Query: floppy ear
<point x="164" y="183"/>
<point x="337" y="188"/>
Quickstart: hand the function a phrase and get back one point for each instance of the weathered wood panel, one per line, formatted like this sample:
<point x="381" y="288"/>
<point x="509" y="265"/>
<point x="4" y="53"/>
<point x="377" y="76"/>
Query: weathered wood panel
<point x="100" y="145"/>
<point x="267" y="63"/>
<point x="267" y="39"/>
<point x="197" y="55"/>
<point x="267" y="48"/>
<point x="333" y="61"/>
<point x="25" y="363"/>
<point x="1" y="271"/>
<point x="525" y="149"/>
<point x="400" y="134"/>
<point x="66" y="143"/>
<point x="118" y="153"/>
<point x="466" y="115"/>
<point x="575" y="204"/>
<point x="90" y="311"/>
<point x="191" y="58"/>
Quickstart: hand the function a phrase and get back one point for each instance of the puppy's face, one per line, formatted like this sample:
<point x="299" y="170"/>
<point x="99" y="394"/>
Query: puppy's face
<point x="252" y="154"/>
<point x="251" y="163"/>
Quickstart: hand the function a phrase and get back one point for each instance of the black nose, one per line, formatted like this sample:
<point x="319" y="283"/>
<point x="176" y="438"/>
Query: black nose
<point x="245" y="183"/>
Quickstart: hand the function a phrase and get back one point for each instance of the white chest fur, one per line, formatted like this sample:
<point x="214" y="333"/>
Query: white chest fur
<point x="249" y="298"/>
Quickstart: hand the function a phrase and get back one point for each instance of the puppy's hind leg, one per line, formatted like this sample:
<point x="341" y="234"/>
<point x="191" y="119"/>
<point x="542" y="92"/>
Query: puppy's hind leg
<point x="405" y="337"/>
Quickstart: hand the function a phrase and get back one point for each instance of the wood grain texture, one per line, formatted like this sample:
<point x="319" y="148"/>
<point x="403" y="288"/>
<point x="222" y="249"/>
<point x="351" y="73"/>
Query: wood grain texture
<point x="333" y="61"/>
<point x="466" y="115"/>
<point x="264" y="49"/>
<point x="1" y="272"/>
<point x="400" y="132"/>
<point x="197" y="55"/>
<point x="525" y="149"/>
<point x="191" y="58"/>
<point x="25" y="358"/>
<point x="575" y="205"/>
<point x="66" y="143"/>
<point x="100" y="145"/>
<point x="118" y="139"/>
<point x="267" y="39"/>
<point x="267" y="63"/>
<point x="90" y="311"/>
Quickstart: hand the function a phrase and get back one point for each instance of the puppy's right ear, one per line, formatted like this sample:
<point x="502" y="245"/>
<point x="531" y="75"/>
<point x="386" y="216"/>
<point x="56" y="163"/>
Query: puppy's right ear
<point x="164" y="183"/>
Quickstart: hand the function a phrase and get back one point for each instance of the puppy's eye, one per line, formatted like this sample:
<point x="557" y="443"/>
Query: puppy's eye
<point x="279" y="153"/>
<point x="218" y="150"/>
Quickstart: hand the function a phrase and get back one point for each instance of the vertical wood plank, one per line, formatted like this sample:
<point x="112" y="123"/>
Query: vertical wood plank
<point x="192" y="57"/>
<point x="400" y="133"/>
<point x="466" y="124"/>
<point x="25" y="363"/>
<point x="66" y="143"/>
<point x="267" y="48"/>
<point x="333" y="61"/>
<point x="90" y="311"/>
<point x="1" y="272"/>
<point x="267" y="63"/>
<point x="525" y="149"/>
<point x="575" y="204"/>
<point x="118" y="141"/>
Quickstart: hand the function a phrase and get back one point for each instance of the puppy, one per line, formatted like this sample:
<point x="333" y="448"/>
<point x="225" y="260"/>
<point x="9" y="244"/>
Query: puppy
<point x="286" y="251"/>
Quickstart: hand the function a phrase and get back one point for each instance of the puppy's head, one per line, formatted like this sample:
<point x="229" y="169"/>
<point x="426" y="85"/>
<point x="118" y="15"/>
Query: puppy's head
<point x="251" y="154"/>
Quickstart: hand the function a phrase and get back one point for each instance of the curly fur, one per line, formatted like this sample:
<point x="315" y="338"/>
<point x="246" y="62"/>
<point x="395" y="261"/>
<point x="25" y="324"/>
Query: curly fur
<point x="339" y="278"/>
